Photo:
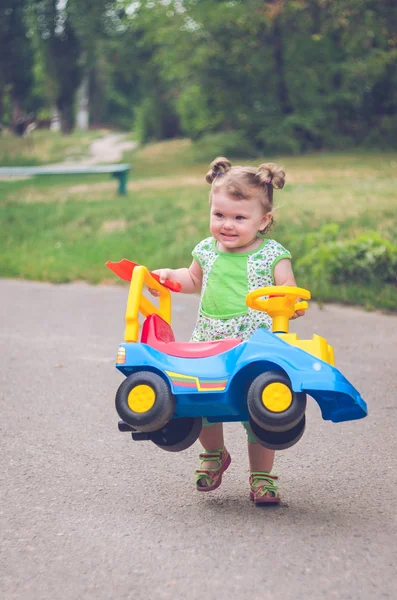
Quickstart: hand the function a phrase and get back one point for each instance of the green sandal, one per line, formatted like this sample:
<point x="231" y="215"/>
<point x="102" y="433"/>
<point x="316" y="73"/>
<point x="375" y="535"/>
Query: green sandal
<point x="210" y="479"/>
<point x="263" y="490"/>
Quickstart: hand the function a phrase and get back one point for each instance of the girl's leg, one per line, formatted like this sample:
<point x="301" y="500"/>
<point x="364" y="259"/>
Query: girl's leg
<point x="211" y="439"/>
<point x="209" y="475"/>
<point x="261" y="459"/>
<point x="211" y="436"/>
<point x="262" y="482"/>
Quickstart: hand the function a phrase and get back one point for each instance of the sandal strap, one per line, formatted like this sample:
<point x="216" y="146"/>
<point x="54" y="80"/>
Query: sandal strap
<point x="208" y="474"/>
<point x="214" y="455"/>
<point x="205" y="456"/>
<point x="263" y="476"/>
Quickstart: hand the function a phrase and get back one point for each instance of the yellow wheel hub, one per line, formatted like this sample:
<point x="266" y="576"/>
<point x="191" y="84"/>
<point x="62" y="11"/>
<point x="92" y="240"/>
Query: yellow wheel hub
<point x="277" y="397"/>
<point x="141" y="398"/>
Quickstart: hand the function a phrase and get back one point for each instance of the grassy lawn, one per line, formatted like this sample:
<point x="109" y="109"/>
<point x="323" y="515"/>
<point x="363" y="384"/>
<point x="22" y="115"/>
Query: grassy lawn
<point x="65" y="228"/>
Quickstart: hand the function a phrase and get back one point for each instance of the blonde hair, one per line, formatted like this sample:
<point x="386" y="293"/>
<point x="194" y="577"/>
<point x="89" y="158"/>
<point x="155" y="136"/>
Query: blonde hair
<point x="243" y="183"/>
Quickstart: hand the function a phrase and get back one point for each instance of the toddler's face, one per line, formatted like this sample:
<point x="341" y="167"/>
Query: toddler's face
<point x="235" y="223"/>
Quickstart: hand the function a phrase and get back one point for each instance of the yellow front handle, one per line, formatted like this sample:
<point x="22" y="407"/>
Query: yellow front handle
<point x="280" y="305"/>
<point x="138" y="303"/>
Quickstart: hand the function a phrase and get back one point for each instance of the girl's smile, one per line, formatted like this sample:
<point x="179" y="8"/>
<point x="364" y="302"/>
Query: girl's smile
<point x="234" y="223"/>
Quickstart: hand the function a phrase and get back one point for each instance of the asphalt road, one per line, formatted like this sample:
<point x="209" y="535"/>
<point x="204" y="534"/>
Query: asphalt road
<point x="86" y="513"/>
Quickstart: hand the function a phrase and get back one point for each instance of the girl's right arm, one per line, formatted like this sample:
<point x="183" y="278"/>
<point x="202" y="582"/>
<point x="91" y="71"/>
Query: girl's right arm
<point x="190" y="279"/>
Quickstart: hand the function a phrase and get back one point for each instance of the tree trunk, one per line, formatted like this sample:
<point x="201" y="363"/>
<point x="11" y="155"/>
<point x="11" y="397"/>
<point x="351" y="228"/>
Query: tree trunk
<point x="273" y="11"/>
<point x="83" y="115"/>
<point x="278" y="53"/>
<point x="66" y="117"/>
<point x="17" y="112"/>
<point x="55" y="120"/>
<point x="1" y="105"/>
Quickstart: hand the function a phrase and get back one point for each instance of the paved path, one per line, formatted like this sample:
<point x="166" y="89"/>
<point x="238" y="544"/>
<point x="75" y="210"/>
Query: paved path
<point x="87" y="514"/>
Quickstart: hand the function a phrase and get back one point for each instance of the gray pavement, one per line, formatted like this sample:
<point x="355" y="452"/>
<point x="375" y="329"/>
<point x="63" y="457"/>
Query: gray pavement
<point x="86" y="513"/>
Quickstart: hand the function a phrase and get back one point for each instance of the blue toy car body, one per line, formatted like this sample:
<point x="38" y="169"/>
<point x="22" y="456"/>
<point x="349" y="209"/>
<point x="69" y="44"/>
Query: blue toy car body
<point x="216" y="387"/>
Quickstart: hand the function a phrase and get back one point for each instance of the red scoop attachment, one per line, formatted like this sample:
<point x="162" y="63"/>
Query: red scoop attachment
<point x="124" y="269"/>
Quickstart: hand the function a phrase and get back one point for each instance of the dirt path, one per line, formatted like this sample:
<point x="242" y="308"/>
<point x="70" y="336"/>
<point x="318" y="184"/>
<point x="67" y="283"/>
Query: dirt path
<point x="107" y="149"/>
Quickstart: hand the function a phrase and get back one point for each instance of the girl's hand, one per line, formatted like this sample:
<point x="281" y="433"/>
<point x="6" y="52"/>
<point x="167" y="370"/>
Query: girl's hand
<point x="298" y="313"/>
<point x="283" y="275"/>
<point x="164" y="274"/>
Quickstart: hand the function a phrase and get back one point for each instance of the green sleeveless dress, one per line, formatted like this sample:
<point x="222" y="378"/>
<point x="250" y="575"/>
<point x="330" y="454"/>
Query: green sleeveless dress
<point x="227" y="278"/>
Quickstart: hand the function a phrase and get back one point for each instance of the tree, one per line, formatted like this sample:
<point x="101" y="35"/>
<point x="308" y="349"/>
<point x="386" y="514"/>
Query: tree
<point x="277" y="76"/>
<point x="138" y="90"/>
<point x="91" y="21"/>
<point x="16" y="58"/>
<point x="273" y="13"/>
<point x="62" y="55"/>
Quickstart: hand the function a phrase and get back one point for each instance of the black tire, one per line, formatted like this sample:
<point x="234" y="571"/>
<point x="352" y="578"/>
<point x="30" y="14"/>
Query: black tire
<point x="178" y="434"/>
<point x="279" y="440"/>
<point x="268" y="419"/>
<point x="157" y="414"/>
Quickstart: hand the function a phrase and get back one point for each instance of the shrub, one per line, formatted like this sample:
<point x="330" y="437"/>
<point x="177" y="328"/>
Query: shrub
<point x="230" y="144"/>
<point x="384" y="135"/>
<point x="366" y="259"/>
<point x="155" y="120"/>
<point x="292" y="135"/>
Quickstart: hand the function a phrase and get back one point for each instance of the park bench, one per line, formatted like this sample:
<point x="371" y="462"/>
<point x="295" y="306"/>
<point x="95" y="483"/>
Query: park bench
<point x="118" y="171"/>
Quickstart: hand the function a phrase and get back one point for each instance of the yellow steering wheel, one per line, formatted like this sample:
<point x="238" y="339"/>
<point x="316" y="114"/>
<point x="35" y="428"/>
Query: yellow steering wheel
<point x="280" y="305"/>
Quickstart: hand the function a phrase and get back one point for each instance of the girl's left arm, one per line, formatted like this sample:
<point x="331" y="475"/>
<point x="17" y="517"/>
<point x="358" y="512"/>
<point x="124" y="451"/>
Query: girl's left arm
<point x="284" y="275"/>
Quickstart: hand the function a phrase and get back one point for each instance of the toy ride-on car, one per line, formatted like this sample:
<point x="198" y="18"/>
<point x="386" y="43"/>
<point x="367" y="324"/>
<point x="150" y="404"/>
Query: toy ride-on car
<point x="170" y="386"/>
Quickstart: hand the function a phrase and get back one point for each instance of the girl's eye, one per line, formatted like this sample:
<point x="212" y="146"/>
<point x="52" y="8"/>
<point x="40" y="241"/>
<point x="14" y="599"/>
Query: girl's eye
<point x="240" y="218"/>
<point x="219" y="215"/>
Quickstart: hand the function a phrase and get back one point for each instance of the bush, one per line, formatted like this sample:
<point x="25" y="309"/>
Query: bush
<point x="230" y="144"/>
<point x="195" y="114"/>
<point x="384" y="135"/>
<point x="366" y="259"/>
<point x="155" y="120"/>
<point x="292" y="135"/>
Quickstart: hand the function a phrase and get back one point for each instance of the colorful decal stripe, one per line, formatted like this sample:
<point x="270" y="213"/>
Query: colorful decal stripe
<point x="201" y="385"/>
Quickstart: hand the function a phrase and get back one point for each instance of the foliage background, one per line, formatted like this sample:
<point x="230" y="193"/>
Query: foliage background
<point x="273" y="76"/>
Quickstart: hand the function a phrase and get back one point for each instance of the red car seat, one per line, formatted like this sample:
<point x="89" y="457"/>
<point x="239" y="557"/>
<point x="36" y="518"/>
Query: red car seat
<point x="158" y="334"/>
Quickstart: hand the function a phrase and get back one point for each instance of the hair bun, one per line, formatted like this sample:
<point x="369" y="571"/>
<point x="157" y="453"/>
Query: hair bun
<point x="219" y="166"/>
<point x="271" y="174"/>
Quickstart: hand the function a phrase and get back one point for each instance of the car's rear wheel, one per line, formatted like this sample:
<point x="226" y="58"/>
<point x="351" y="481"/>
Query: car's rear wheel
<point x="279" y="440"/>
<point x="144" y="401"/>
<point x="272" y="404"/>
<point x="177" y="434"/>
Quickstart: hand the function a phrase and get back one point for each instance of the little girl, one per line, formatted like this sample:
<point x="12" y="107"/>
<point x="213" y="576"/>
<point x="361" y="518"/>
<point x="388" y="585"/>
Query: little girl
<point x="225" y="267"/>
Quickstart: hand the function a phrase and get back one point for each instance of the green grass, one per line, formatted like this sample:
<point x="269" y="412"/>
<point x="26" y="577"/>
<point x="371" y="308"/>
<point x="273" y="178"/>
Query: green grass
<point x="65" y="228"/>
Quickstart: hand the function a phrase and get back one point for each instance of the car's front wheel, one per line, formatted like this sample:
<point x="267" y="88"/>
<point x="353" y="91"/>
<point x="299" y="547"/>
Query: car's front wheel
<point x="144" y="401"/>
<point x="272" y="404"/>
